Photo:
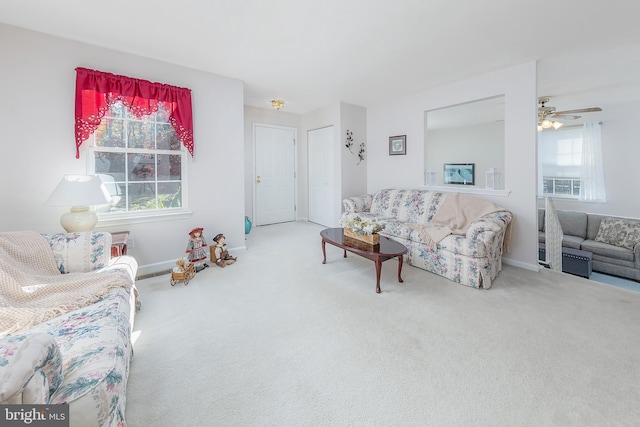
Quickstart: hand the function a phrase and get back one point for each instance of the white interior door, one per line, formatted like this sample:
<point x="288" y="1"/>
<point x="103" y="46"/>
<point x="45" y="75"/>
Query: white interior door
<point x="321" y="176"/>
<point x="274" y="178"/>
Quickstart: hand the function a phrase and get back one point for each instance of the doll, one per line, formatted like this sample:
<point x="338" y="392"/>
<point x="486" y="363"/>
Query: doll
<point x="196" y="249"/>
<point x="222" y="254"/>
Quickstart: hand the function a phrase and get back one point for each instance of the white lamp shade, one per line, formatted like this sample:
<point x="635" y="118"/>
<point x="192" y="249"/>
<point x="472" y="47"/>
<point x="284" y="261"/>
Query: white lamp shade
<point x="79" y="191"/>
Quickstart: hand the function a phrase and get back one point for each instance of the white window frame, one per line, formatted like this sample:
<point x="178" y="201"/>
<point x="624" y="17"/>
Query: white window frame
<point x="138" y="216"/>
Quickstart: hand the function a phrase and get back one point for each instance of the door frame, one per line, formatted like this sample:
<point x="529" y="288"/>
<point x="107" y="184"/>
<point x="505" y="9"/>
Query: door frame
<point x="295" y="166"/>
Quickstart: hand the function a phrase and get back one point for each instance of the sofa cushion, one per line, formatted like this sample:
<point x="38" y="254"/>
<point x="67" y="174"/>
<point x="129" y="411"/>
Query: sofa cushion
<point x="606" y="250"/>
<point x="383" y="202"/>
<point x="619" y="232"/>
<point x="357" y="203"/>
<point x="418" y="206"/>
<point x="593" y="225"/>
<point x="572" y="242"/>
<point x="573" y="223"/>
<point x="567" y="240"/>
<point x="80" y="252"/>
<point x="414" y="206"/>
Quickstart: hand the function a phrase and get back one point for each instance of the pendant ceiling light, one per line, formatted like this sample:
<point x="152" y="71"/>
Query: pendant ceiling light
<point x="277" y="104"/>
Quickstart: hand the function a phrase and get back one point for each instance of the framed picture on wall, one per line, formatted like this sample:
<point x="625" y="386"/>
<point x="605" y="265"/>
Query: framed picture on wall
<point x="459" y="173"/>
<point x="397" y="145"/>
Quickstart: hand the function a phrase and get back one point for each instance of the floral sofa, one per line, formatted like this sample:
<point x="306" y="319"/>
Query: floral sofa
<point x="473" y="258"/>
<point x="81" y="357"/>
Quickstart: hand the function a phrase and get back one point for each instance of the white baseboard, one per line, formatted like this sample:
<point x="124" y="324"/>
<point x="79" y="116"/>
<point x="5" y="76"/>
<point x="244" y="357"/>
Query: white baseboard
<point x="520" y="264"/>
<point x="156" y="269"/>
<point x="165" y="267"/>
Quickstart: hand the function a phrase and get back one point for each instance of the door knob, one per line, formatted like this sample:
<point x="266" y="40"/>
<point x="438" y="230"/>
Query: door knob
<point x="258" y="179"/>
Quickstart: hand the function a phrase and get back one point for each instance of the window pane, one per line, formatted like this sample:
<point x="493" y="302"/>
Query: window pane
<point x="102" y="162"/>
<point x="167" y="138"/>
<point x="164" y="111"/>
<point x="110" y="164"/>
<point x="142" y="167"/>
<point x="142" y="196"/>
<point x="116" y="191"/>
<point x="119" y="203"/>
<point x="169" y="195"/>
<point x="141" y="135"/>
<point x="562" y="186"/>
<point x="110" y="133"/>
<point x="116" y="110"/>
<point x="576" y="187"/>
<point x="548" y="186"/>
<point x="169" y="167"/>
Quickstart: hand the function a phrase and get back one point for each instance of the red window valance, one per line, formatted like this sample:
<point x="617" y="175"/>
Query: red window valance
<point x="96" y="91"/>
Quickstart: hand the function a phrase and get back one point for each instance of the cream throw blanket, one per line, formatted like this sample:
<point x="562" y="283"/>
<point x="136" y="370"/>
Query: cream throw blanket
<point x="32" y="290"/>
<point x="457" y="212"/>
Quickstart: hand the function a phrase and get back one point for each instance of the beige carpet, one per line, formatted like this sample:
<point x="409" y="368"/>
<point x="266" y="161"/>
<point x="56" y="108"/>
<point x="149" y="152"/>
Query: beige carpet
<point x="278" y="339"/>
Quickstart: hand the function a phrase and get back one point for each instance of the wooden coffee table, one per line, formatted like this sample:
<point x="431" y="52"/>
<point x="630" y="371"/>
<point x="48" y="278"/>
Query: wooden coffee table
<point x="387" y="249"/>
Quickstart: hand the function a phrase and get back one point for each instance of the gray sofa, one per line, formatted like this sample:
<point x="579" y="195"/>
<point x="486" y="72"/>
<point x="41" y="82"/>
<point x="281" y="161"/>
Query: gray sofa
<point x="615" y="247"/>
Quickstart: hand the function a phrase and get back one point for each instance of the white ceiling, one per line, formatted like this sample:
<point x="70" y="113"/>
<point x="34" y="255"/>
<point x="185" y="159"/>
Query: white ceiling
<point x="314" y="53"/>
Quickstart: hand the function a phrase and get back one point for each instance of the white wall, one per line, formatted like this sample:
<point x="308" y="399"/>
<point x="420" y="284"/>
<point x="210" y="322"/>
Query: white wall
<point x="354" y="174"/>
<point x="405" y="116"/>
<point x="37" y="122"/>
<point x="620" y="153"/>
<point x="481" y="144"/>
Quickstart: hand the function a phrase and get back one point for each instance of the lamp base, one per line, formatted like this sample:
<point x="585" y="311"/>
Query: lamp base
<point x="79" y="219"/>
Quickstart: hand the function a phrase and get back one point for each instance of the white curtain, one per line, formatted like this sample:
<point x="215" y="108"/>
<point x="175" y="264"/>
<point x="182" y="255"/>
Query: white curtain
<point x="592" y="174"/>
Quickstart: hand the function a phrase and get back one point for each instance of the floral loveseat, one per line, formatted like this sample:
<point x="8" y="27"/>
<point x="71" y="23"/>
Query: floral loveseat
<point x="471" y="255"/>
<point x="80" y="353"/>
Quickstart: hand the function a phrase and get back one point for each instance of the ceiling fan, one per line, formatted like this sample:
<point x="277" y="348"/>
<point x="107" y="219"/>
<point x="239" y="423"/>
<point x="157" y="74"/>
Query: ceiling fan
<point x="548" y="116"/>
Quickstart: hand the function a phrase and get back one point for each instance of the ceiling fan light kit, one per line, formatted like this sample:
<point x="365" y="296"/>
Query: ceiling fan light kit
<point x="547" y="115"/>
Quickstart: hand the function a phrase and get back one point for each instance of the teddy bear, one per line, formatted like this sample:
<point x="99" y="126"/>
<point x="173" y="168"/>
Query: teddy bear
<point x="179" y="268"/>
<point x="223" y="258"/>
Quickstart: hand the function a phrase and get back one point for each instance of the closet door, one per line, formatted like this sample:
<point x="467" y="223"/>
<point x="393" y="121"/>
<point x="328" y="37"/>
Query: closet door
<point x="321" y="152"/>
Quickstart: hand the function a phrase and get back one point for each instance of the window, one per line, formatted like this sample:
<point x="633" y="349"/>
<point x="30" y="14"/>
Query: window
<point x="140" y="160"/>
<point x="560" y="158"/>
<point x="560" y="155"/>
<point x="570" y="163"/>
<point x="139" y="133"/>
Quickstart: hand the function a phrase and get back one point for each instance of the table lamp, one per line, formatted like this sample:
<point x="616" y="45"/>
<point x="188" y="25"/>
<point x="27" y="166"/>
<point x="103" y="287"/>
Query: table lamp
<point x="79" y="192"/>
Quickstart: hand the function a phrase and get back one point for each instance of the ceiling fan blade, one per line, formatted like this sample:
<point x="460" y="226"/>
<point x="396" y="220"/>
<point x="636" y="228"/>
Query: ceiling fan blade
<point x="564" y="116"/>
<point x="580" y="110"/>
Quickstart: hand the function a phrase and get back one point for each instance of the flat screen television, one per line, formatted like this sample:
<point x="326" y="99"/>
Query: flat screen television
<point x="459" y="173"/>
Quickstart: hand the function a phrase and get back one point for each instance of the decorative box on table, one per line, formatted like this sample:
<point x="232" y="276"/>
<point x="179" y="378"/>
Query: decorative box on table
<point x="372" y="239"/>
